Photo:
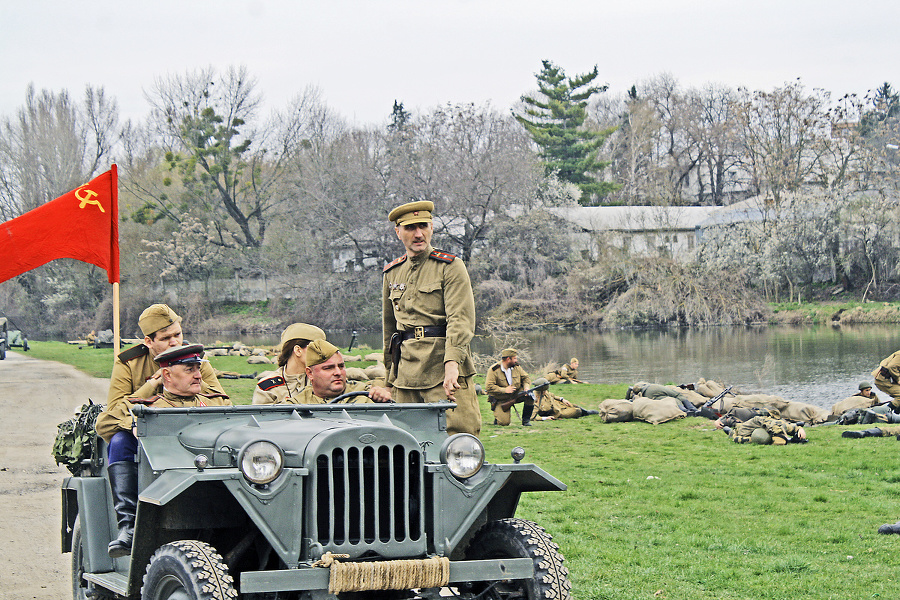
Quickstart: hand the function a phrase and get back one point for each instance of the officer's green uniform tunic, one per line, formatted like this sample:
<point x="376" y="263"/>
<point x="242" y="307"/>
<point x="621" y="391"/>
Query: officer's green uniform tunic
<point x="495" y="383"/>
<point x="133" y="367"/>
<point x="432" y="289"/>
<point x="887" y="378"/>
<point x="277" y="387"/>
<point x="118" y="417"/>
<point x="741" y="432"/>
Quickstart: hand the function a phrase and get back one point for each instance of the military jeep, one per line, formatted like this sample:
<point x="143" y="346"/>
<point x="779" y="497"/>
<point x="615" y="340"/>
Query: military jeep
<point x="311" y="501"/>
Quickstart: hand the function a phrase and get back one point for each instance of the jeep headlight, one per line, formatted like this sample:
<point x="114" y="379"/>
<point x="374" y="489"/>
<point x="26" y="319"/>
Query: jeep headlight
<point x="463" y="454"/>
<point x="261" y="462"/>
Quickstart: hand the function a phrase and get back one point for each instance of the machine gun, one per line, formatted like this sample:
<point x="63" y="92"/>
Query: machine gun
<point x="520" y="397"/>
<point x="708" y="404"/>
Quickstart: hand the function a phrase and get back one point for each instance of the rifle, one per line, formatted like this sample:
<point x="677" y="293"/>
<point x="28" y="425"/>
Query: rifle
<point x="521" y="396"/>
<point x="720" y="396"/>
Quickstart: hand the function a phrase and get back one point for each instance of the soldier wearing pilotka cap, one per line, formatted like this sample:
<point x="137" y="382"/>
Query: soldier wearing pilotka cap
<point x="428" y="321"/>
<point x="135" y="373"/>
<point x="180" y="368"/>
<point x="327" y="377"/>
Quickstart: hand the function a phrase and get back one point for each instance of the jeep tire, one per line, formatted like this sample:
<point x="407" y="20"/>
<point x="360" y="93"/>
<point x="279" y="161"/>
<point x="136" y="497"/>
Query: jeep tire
<point x="518" y="538"/>
<point x="187" y="570"/>
<point x="79" y="591"/>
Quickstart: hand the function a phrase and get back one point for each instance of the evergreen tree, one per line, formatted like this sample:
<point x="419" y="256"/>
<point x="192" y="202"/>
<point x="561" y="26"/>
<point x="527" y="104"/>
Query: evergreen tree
<point x="556" y="121"/>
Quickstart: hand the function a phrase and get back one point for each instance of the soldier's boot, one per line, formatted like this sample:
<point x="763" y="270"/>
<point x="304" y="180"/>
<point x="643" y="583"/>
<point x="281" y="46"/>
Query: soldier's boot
<point x="874" y="432"/>
<point x="890" y="528"/>
<point x="123" y="481"/>
<point x="587" y="411"/>
<point x="527" y="410"/>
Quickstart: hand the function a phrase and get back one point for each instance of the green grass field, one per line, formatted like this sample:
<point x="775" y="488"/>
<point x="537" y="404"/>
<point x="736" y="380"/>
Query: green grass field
<point x="678" y="511"/>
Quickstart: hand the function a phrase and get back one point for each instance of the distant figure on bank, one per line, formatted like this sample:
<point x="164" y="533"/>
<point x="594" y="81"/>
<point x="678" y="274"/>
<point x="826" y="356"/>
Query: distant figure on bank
<point x="505" y="384"/>
<point x="567" y="373"/>
<point x="864" y="398"/>
<point x="763" y="430"/>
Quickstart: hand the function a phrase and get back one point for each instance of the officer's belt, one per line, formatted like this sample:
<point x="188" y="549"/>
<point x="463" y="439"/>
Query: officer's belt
<point x="423" y="332"/>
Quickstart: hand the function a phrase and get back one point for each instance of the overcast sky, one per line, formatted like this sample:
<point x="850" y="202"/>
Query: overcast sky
<point x="364" y="54"/>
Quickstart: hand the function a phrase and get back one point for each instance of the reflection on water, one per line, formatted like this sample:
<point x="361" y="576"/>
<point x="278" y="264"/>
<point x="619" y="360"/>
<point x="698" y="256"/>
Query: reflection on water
<point x="815" y="364"/>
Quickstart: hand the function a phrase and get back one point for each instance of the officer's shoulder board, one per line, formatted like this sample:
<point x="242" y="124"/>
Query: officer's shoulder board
<point x="133" y="352"/>
<point x="442" y="256"/>
<point x="394" y="263"/>
<point x="270" y="383"/>
<point x="214" y="394"/>
<point x="495" y="367"/>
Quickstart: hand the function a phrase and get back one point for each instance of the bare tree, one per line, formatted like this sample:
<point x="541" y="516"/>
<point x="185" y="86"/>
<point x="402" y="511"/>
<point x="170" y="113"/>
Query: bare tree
<point x="53" y="145"/>
<point x="230" y="163"/>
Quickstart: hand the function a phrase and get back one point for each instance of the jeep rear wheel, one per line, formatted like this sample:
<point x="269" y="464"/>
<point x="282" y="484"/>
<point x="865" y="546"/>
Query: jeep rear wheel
<point x="517" y="538"/>
<point x="187" y="570"/>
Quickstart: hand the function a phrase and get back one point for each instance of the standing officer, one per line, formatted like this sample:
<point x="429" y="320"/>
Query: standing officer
<point x="505" y="383"/>
<point x="428" y="320"/>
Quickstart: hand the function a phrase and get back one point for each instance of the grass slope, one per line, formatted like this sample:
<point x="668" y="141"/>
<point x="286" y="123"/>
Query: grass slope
<point x="679" y="511"/>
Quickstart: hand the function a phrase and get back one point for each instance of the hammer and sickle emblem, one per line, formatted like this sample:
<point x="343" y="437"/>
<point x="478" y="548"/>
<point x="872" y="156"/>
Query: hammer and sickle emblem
<point x="86" y="199"/>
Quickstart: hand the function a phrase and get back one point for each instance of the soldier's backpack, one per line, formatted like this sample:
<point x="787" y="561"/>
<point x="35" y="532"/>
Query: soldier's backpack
<point x="75" y="439"/>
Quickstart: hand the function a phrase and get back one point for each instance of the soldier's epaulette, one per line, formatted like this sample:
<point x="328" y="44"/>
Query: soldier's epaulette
<point x="270" y="383"/>
<point x="133" y="352"/>
<point x="495" y="367"/>
<point x="214" y="394"/>
<point x="394" y="263"/>
<point x="147" y="401"/>
<point x="442" y="256"/>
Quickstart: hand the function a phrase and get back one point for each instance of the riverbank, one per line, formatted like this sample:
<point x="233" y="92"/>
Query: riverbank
<point x="669" y="511"/>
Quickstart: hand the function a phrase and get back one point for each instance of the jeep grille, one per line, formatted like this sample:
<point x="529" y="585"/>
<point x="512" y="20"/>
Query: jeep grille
<point x="368" y="498"/>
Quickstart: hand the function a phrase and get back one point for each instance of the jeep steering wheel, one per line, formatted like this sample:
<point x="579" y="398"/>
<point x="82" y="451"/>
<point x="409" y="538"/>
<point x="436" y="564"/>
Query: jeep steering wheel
<point x="347" y="395"/>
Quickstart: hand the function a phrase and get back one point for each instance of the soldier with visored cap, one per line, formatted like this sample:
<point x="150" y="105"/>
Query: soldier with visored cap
<point x="135" y="373"/>
<point x="428" y="321"/>
<point x="277" y="387"/>
<point x="180" y="370"/>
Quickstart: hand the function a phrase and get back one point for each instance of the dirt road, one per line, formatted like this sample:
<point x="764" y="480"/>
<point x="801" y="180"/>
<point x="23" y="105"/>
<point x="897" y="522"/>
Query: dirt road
<point x="35" y="396"/>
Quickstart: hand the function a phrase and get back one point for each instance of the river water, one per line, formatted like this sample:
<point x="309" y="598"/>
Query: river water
<point x="816" y="364"/>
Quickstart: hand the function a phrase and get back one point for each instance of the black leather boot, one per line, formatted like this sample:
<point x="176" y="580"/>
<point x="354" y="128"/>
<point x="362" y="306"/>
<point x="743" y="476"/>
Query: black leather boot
<point x="874" y="432"/>
<point x="123" y="482"/>
<point x="889" y="528"/>
<point x="527" y="410"/>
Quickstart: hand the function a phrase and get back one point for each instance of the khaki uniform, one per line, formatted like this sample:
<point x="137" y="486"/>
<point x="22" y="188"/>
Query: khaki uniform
<point x="306" y="395"/>
<point x="118" y="418"/>
<point x="887" y="378"/>
<point x="551" y="405"/>
<point x="277" y="387"/>
<point x="133" y="367"/>
<point x="495" y="383"/>
<point x="776" y="427"/>
<point x="432" y="289"/>
<point x="564" y="374"/>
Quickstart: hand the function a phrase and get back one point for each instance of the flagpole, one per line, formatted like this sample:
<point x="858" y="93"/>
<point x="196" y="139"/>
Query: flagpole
<point x="117" y="341"/>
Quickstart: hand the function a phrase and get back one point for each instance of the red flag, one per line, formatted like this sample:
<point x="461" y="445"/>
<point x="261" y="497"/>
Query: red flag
<point x="83" y="224"/>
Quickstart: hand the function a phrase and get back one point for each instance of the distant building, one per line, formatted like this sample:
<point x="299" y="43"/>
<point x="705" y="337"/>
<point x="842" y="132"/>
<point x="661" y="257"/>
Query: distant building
<point x="671" y="231"/>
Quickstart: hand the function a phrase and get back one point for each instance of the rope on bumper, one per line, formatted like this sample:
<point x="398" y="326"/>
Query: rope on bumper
<point x="385" y="575"/>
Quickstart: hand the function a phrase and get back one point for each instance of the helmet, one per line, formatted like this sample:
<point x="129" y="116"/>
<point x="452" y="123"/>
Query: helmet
<point x="760" y="436"/>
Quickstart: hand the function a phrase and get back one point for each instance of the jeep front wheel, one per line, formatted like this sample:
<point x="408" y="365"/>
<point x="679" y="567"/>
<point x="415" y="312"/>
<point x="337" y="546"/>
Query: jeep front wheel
<point x="187" y="570"/>
<point x="79" y="591"/>
<point x="517" y="538"/>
